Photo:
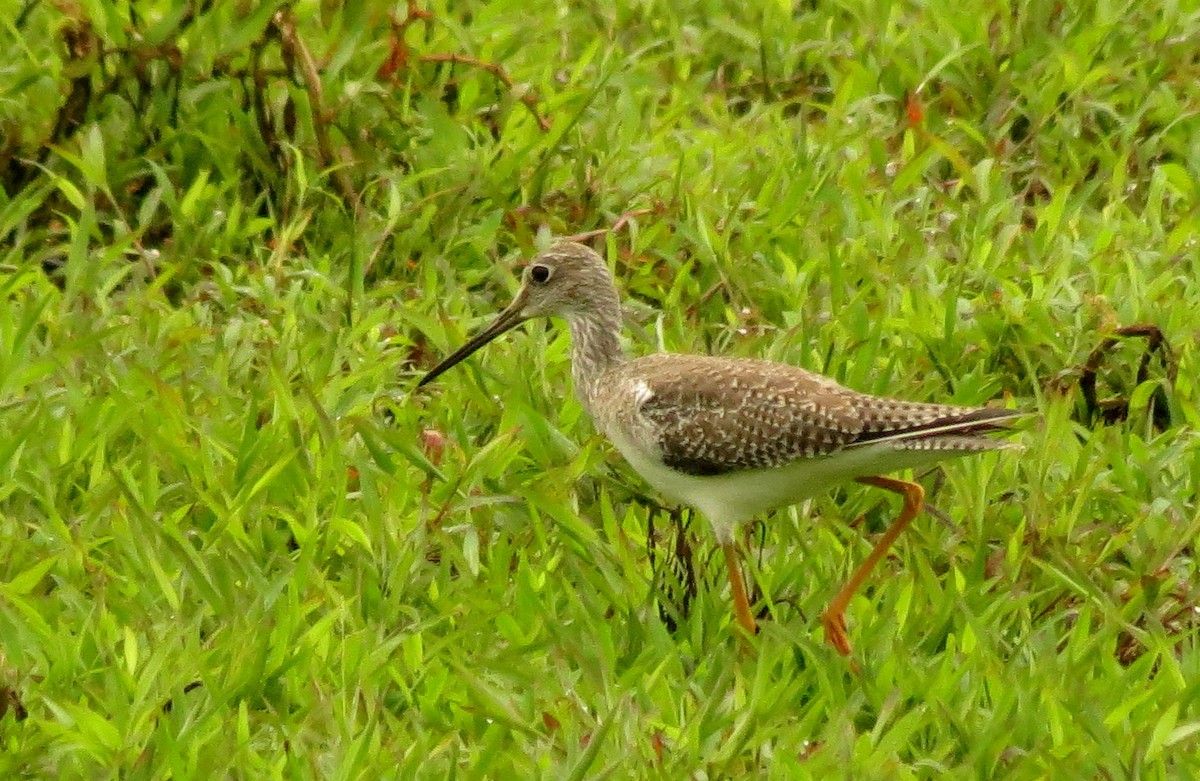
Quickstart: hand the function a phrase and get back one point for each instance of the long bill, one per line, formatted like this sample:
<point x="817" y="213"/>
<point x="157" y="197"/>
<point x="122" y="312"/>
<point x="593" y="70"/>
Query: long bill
<point x="512" y="316"/>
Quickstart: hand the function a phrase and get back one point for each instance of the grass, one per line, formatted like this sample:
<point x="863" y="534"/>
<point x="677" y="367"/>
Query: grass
<point x="233" y="542"/>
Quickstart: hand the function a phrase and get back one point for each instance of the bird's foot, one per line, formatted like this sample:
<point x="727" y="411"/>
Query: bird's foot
<point x="835" y="631"/>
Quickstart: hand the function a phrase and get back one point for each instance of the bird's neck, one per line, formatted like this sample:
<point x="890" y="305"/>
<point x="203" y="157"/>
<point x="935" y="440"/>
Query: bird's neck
<point x="595" y="348"/>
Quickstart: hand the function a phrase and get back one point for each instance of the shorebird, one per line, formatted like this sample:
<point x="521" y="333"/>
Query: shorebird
<point x="735" y="437"/>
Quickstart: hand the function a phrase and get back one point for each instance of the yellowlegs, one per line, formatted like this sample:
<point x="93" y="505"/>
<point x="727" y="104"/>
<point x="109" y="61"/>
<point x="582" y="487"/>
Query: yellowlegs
<point x="735" y="437"/>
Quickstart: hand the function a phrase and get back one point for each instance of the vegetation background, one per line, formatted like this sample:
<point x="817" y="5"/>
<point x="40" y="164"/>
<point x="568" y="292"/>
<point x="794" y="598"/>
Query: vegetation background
<point x="234" y="544"/>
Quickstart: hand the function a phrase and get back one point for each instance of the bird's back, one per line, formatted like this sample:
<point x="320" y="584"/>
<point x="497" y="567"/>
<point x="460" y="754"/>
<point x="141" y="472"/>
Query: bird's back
<point x="704" y="415"/>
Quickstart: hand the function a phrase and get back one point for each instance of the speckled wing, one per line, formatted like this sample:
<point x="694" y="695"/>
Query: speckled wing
<point x="712" y="416"/>
<point x="717" y="415"/>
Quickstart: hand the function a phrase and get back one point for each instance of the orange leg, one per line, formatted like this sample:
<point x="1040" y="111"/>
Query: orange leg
<point x="834" y="617"/>
<point x="741" y="605"/>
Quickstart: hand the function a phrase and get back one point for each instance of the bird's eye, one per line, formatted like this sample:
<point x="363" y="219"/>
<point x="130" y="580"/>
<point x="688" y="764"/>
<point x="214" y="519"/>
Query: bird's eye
<point x="539" y="273"/>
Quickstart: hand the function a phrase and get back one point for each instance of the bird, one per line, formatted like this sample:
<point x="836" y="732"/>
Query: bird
<point x="732" y="437"/>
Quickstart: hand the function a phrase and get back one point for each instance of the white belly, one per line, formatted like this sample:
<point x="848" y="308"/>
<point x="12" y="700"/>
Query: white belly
<point x="730" y="499"/>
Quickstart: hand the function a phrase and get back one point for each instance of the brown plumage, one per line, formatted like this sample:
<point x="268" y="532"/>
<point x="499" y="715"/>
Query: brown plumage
<point x="718" y="415"/>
